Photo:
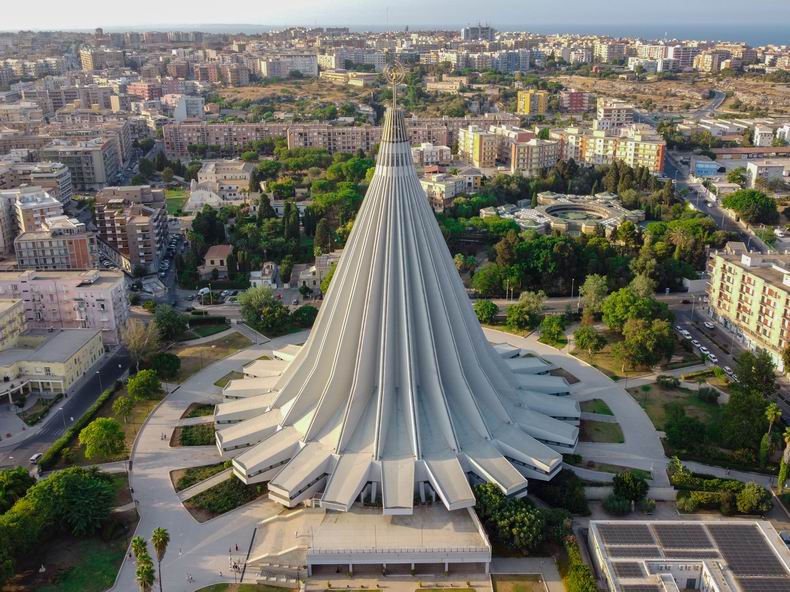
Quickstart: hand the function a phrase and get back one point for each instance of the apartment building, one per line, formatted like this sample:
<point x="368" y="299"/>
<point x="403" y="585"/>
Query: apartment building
<point x="92" y="58"/>
<point x="576" y="101"/>
<point x="426" y="154"/>
<point x="344" y="57"/>
<point x="236" y="75"/>
<point x="145" y="90"/>
<point x="70" y="299"/>
<point x="478" y="146"/>
<point x="93" y="164"/>
<point x="52" y="177"/>
<point x="478" y="33"/>
<point x="710" y="61"/>
<point x="532" y="102"/>
<point x="281" y="65"/>
<point x="183" y="107"/>
<point x="63" y="243"/>
<point x="442" y="189"/>
<point x="179" y="137"/>
<point x="133" y="221"/>
<point x="230" y="179"/>
<point x="612" y="114"/>
<point x="530" y="158"/>
<point x="684" y="55"/>
<point x="749" y="294"/>
<point x="608" y="52"/>
<point x="32" y="206"/>
<point x="636" y="145"/>
<point x="764" y="170"/>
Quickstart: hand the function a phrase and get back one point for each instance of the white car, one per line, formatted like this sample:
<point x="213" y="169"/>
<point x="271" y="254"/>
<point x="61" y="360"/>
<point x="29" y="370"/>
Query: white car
<point x="709" y="325"/>
<point x="713" y="358"/>
<point x="35" y="458"/>
<point x="686" y="334"/>
<point x="704" y="350"/>
<point x="696" y="343"/>
<point x="679" y="329"/>
<point x="728" y="371"/>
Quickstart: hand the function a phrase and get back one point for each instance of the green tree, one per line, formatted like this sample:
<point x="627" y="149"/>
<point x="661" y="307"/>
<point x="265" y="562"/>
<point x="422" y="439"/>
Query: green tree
<point x="159" y="539"/>
<point x="589" y="339"/>
<point x="628" y="485"/>
<point x="623" y="305"/>
<point x="647" y="343"/>
<point x="327" y="279"/>
<point x="757" y="371"/>
<point x="593" y="292"/>
<point x="102" y="438"/>
<point x="122" y="406"/>
<point x="322" y="243"/>
<point x="167" y="174"/>
<point x="487" y="281"/>
<point x="304" y="316"/>
<point x="526" y="312"/>
<point x="753" y="206"/>
<point x="552" y="329"/>
<point x="743" y="418"/>
<point x="265" y="210"/>
<point x="14" y="484"/>
<point x="144" y="385"/>
<point x="166" y="365"/>
<point x="753" y="499"/>
<point x="170" y="323"/>
<point x="264" y="312"/>
<point x="249" y="156"/>
<point x="146" y="168"/>
<point x="737" y="176"/>
<point x="643" y="286"/>
<point x="486" y="311"/>
<point x="141" y="340"/>
<point x="784" y="462"/>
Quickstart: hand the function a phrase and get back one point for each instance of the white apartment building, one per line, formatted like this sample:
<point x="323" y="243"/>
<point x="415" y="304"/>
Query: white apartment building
<point x="763" y="136"/>
<point x="426" y="154"/>
<point x="613" y="114"/>
<point x="280" y="66"/>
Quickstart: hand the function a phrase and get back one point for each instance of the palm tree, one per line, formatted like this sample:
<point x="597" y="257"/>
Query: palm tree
<point x="772" y="414"/>
<point x="145" y="575"/>
<point x="139" y="547"/>
<point x="681" y="238"/>
<point x="159" y="539"/>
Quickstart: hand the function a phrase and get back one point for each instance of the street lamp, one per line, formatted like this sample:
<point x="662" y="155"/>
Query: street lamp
<point x="101" y="386"/>
<point x="62" y="416"/>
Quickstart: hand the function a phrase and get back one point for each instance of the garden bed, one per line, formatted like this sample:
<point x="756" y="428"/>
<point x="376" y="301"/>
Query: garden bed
<point x="184" y="478"/>
<point x="36" y="412"/>
<point x="518" y="583"/>
<point x="598" y="406"/>
<point x="193" y="435"/>
<point x="222" y="498"/>
<point x="198" y="410"/>
<point x="232" y="375"/>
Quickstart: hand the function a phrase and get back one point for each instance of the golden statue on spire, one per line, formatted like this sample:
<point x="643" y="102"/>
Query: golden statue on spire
<point x="395" y="73"/>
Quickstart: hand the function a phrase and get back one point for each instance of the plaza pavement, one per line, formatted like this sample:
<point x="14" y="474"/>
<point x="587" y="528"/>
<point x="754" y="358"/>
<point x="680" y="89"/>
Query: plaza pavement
<point x="201" y="550"/>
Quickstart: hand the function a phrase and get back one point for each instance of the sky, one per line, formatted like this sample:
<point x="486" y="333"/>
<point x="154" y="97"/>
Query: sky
<point x="87" y="14"/>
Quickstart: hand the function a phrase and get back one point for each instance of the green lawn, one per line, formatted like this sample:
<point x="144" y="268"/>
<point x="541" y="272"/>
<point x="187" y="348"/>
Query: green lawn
<point x="601" y="431"/>
<point x="232" y="375"/>
<point x="655" y="399"/>
<point x="95" y="565"/>
<point x="195" y="357"/>
<point x="206" y="330"/>
<point x="518" y="583"/>
<point x="557" y="344"/>
<point x="596" y="406"/>
<point x="175" y="200"/>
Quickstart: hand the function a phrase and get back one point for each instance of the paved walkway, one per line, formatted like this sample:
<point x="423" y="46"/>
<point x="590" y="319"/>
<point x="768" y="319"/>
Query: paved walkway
<point x="768" y="481"/>
<point x="197" y="549"/>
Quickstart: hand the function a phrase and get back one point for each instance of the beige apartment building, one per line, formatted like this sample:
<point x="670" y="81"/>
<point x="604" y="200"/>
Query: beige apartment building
<point x="63" y="243"/>
<point x="637" y="145"/>
<point x="230" y="179"/>
<point x="133" y="221"/>
<point x="52" y="177"/>
<point x="93" y="164"/>
<point x="478" y="146"/>
<point x="533" y="156"/>
<point x="70" y="299"/>
<point x="24" y="209"/>
<point x="612" y="114"/>
<point x="442" y="189"/>
<point x="749" y="294"/>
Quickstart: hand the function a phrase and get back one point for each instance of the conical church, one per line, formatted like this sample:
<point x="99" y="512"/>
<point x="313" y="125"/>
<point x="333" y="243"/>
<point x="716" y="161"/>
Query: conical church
<point x="397" y="394"/>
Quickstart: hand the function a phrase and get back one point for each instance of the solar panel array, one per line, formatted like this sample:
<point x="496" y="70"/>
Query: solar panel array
<point x="626" y="534"/>
<point x="682" y="536"/>
<point x="642" y="552"/>
<point x="764" y="584"/>
<point x="625" y="569"/>
<point x="690" y="554"/>
<point x="641" y="588"/>
<point x="746" y="551"/>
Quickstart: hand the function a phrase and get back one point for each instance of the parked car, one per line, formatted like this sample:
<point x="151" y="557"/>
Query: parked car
<point x="679" y="329"/>
<point x="696" y="343"/>
<point x="709" y="325"/>
<point x="35" y="458"/>
<point x="704" y="350"/>
<point x="713" y="358"/>
<point x="728" y="371"/>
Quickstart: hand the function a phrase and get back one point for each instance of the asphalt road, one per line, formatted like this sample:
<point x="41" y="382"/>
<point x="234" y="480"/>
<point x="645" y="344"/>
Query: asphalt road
<point x="73" y="407"/>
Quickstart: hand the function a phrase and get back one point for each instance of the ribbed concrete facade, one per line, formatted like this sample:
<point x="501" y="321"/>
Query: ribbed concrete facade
<point x="397" y="391"/>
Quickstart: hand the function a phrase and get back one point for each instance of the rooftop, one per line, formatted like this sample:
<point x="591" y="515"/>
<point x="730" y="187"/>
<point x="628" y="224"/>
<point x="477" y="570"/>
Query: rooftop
<point x="58" y="347"/>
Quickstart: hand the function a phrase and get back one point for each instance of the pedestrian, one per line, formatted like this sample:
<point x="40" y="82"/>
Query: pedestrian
<point x="237" y="548"/>
<point x="180" y="552"/>
<point x="220" y="573"/>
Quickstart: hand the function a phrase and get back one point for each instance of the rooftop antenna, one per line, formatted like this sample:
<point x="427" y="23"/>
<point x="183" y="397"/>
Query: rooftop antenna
<point x="395" y="73"/>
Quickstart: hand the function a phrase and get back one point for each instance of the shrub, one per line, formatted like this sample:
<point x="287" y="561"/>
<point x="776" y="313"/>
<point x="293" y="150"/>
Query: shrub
<point x="134" y="299"/>
<point x="667" y="381"/>
<point x="647" y="505"/>
<point x="616" y="505"/>
<point x="144" y="385"/>
<point x="149" y="305"/>
<point x="727" y="506"/>
<point x="225" y="496"/>
<point x="744" y="456"/>
<point x="565" y="491"/>
<point x="708" y="395"/>
<point x="197" y="435"/>
<point x="166" y="364"/>
<point x="304" y="316"/>
<point x="579" y="576"/>
<point x="686" y="504"/>
<point x="628" y="485"/>
<point x="753" y="499"/>
<point x="486" y="311"/>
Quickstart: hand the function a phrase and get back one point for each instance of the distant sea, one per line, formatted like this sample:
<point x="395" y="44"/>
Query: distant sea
<point x="753" y="34"/>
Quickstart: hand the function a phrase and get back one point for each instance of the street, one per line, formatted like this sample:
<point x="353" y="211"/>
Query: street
<point x="73" y="407"/>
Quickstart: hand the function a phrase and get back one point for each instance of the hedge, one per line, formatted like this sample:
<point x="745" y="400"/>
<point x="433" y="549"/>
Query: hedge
<point x="578" y="577"/>
<point x="208" y="320"/>
<point x="52" y="454"/>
